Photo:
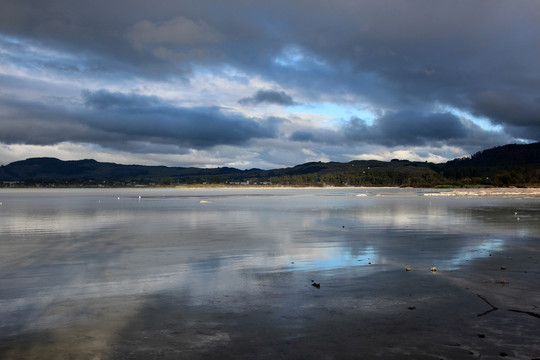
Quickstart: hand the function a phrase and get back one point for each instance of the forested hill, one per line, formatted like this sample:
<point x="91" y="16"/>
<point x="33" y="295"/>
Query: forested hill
<point x="509" y="165"/>
<point x="51" y="169"/>
<point x="505" y="157"/>
<point x="514" y="161"/>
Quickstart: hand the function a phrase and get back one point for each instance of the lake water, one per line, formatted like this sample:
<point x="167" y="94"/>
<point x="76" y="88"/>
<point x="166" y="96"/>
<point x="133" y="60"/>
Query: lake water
<point x="71" y="258"/>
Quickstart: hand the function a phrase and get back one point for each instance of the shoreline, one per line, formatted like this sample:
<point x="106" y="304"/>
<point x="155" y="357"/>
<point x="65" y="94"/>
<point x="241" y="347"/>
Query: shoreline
<point x="505" y="192"/>
<point x="430" y="192"/>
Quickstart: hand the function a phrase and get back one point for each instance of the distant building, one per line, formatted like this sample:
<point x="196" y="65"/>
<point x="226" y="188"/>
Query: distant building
<point x="11" y="183"/>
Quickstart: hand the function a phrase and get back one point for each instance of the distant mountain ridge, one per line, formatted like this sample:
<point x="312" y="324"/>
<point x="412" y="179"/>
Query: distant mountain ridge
<point x="486" y="163"/>
<point x="54" y="169"/>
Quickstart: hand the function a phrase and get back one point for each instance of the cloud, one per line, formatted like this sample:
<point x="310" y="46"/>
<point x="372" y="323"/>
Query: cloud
<point x="519" y="115"/>
<point x="407" y="128"/>
<point x="147" y="117"/>
<point x="106" y="100"/>
<point x="303" y="135"/>
<point x="406" y="62"/>
<point x="35" y="123"/>
<point x="119" y="120"/>
<point x="269" y="97"/>
<point x="179" y="30"/>
<point x="404" y="129"/>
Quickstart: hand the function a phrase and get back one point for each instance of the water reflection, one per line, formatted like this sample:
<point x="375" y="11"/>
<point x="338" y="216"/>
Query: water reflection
<point x="85" y="244"/>
<point x="336" y="258"/>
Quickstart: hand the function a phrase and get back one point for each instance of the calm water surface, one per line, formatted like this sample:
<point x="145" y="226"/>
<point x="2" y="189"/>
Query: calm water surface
<point x="58" y="245"/>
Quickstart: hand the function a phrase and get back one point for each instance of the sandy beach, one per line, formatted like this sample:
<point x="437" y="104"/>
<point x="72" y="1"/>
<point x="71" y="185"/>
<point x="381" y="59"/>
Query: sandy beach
<point x="526" y="192"/>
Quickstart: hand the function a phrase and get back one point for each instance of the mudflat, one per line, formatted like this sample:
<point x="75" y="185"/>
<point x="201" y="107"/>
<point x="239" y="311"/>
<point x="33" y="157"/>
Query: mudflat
<point x="232" y="278"/>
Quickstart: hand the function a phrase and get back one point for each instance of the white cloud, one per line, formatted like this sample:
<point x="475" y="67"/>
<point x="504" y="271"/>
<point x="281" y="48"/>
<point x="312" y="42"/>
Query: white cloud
<point x="430" y="154"/>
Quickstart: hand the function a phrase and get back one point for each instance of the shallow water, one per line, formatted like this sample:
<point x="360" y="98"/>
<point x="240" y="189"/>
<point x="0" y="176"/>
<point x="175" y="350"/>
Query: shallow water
<point x="202" y="245"/>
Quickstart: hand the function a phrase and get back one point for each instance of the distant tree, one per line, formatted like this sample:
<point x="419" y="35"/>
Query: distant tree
<point x="167" y="181"/>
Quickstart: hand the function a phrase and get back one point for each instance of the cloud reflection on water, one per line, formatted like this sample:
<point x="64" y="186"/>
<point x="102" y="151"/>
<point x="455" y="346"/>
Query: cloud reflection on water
<point x="91" y="245"/>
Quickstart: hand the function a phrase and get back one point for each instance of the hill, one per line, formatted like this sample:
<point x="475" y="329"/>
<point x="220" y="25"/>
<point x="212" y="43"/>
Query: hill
<point x="509" y="164"/>
<point x="506" y="156"/>
<point x="501" y="166"/>
<point x="51" y="169"/>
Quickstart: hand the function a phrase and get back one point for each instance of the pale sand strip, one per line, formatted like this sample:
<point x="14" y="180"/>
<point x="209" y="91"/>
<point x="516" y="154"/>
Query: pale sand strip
<point x="525" y="192"/>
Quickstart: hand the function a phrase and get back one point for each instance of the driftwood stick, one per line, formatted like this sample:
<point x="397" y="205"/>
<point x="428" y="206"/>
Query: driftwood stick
<point x="486" y="312"/>
<point x="486" y="300"/>
<point x="532" y="313"/>
<point x="493" y="307"/>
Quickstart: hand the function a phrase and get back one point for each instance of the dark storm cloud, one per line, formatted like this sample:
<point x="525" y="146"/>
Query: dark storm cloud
<point x="117" y="120"/>
<point x="36" y="123"/>
<point x="405" y="59"/>
<point x="148" y="116"/>
<point x="430" y="48"/>
<point x="303" y="135"/>
<point x="405" y="129"/>
<point x="519" y="115"/>
<point x="105" y="100"/>
<point x="268" y="96"/>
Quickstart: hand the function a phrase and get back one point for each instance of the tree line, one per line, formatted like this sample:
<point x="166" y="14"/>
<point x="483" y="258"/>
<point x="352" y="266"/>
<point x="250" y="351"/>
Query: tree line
<point x="403" y="178"/>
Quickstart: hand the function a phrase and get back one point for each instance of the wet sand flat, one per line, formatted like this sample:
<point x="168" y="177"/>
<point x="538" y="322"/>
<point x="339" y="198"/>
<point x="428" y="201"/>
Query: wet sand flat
<point x="96" y="275"/>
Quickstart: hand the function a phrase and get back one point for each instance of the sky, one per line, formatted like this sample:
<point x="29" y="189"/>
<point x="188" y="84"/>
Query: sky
<point x="266" y="84"/>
